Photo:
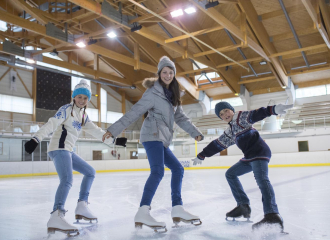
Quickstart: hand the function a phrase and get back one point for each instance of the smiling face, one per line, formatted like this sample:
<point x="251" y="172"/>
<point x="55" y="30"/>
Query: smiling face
<point x="226" y="115"/>
<point x="81" y="100"/>
<point x="167" y="75"/>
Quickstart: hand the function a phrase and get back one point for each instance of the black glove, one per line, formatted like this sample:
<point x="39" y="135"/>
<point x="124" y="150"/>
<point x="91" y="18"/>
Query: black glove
<point x="30" y="146"/>
<point x="121" y="141"/>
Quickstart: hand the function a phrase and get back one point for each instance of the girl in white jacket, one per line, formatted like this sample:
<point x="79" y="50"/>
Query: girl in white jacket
<point x="66" y="126"/>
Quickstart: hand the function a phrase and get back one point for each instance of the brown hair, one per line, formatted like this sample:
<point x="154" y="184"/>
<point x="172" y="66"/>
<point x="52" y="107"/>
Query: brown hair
<point x="174" y="87"/>
<point x="83" y="117"/>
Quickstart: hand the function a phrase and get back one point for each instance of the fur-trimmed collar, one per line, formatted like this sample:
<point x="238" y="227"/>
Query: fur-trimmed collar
<point x="149" y="82"/>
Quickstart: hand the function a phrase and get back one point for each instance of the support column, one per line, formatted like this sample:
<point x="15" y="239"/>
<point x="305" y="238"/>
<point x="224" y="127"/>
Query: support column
<point x="34" y="94"/>
<point x="98" y="90"/>
<point x="245" y="96"/>
<point x="123" y="102"/>
<point x="205" y="102"/>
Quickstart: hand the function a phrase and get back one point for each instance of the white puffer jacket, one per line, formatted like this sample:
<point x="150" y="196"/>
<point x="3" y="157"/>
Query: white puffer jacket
<point x="66" y="129"/>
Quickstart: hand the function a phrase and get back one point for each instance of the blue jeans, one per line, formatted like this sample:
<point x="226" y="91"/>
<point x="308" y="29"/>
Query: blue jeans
<point x="260" y="171"/>
<point x="158" y="155"/>
<point x="64" y="162"/>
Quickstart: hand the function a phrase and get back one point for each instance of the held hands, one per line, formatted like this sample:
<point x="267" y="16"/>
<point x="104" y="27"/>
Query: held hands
<point x="30" y="146"/>
<point x="281" y="109"/>
<point x="198" y="138"/>
<point x="196" y="161"/>
<point x="107" y="135"/>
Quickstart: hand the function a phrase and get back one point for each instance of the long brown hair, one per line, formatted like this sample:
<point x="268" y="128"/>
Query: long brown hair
<point x="83" y="117"/>
<point x="174" y="87"/>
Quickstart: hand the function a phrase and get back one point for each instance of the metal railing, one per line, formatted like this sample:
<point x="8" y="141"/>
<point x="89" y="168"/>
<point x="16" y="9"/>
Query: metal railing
<point x="28" y="128"/>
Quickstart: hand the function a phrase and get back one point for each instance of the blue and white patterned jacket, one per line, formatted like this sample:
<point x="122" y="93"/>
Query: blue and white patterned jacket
<point x="242" y="133"/>
<point x="67" y="128"/>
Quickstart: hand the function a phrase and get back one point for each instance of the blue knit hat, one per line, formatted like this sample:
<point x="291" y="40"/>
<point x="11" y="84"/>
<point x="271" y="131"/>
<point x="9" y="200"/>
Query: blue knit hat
<point x="82" y="88"/>
<point x="222" y="105"/>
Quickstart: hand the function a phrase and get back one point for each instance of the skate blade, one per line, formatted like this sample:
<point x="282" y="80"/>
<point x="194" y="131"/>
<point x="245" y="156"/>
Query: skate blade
<point x="177" y="220"/>
<point x="69" y="232"/>
<point x="156" y="229"/>
<point x="235" y="221"/>
<point x="80" y="217"/>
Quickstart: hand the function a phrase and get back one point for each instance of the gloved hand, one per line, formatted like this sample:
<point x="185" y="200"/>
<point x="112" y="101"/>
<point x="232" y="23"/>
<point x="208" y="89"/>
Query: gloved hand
<point x="196" y="161"/>
<point x="281" y="109"/>
<point x="30" y="146"/>
<point x="121" y="141"/>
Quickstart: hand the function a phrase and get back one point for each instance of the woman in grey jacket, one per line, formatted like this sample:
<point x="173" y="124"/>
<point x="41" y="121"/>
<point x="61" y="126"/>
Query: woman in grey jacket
<point x="162" y="102"/>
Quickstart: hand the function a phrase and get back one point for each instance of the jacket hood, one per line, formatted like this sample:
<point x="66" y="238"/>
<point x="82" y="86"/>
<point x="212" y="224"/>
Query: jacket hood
<point x="149" y="82"/>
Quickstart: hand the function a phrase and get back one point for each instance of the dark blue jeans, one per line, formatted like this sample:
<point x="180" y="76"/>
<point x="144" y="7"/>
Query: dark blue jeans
<point x="158" y="155"/>
<point x="260" y="171"/>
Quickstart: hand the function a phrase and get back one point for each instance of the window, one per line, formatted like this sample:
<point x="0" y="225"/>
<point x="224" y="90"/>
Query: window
<point x="16" y="104"/>
<point x="112" y="117"/>
<point x="3" y="26"/>
<point x="235" y="102"/>
<point x="303" y="146"/>
<point x="202" y="77"/>
<point x="312" y="91"/>
<point x="93" y="114"/>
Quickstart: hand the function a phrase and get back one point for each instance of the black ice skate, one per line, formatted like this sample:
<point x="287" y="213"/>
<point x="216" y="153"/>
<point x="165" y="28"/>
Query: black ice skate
<point x="270" y="219"/>
<point x="242" y="210"/>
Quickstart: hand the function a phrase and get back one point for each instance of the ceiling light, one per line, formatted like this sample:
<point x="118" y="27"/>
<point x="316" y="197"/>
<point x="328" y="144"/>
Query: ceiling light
<point x="263" y="62"/>
<point x="29" y="60"/>
<point x="81" y="44"/>
<point x="211" y="4"/>
<point x="54" y="53"/>
<point x="190" y="10"/>
<point x="92" y="41"/>
<point x="112" y="35"/>
<point x="177" y="13"/>
<point x="236" y="94"/>
<point x="283" y="86"/>
<point x="136" y="28"/>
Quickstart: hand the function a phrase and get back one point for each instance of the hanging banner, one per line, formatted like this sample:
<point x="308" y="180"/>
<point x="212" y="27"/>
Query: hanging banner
<point x="13" y="80"/>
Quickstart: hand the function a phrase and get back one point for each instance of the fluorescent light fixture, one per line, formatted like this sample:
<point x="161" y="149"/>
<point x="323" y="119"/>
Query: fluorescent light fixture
<point x="190" y="10"/>
<point x="81" y="44"/>
<point x="283" y="86"/>
<point x="177" y="13"/>
<point x="112" y="35"/>
<point x="263" y="63"/>
<point x="29" y="60"/>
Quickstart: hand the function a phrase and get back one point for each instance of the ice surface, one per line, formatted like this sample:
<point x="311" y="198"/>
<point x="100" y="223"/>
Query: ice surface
<point x="302" y="194"/>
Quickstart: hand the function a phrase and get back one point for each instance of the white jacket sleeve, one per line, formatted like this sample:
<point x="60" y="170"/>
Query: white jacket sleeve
<point x="95" y="131"/>
<point x="60" y="116"/>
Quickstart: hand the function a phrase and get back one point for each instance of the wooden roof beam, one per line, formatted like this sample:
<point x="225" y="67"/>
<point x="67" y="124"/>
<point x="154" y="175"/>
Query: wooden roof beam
<point x="95" y="7"/>
<point x="257" y="80"/>
<point x="223" y="21"/>
<point x="312" y="13"/>
<point x="32" y="11"/>
<point x="34" y="27"/>
<point x="263" y="37"/>
<point x="292" y="9"/>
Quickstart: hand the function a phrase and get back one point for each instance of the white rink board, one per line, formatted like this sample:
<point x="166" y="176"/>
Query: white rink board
<point x="11" y="168"/>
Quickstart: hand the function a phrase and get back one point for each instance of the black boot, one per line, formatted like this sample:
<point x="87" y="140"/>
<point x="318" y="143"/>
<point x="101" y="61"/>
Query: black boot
<point x="270" y="218"/>
<point x="239" y="211"/>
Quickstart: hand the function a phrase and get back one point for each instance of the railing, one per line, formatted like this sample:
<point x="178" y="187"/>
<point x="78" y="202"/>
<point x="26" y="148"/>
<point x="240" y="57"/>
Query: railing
<point x="28" y="128"/>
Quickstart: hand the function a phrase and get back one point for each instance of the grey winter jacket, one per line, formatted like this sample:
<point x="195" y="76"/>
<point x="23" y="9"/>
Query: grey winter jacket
<point x="158" y="125"/>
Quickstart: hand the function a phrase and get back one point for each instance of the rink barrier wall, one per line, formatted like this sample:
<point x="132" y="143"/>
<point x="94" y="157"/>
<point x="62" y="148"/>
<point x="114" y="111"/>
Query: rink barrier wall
<point x="301" y="159"/>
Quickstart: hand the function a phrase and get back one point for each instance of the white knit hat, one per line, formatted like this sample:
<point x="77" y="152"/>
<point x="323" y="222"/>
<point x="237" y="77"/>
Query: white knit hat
<point x="166" y="62"/>
<point x="82" y="88"/>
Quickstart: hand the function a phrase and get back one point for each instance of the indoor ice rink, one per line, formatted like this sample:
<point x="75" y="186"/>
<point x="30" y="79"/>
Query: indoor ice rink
<point x="248" y="53"/>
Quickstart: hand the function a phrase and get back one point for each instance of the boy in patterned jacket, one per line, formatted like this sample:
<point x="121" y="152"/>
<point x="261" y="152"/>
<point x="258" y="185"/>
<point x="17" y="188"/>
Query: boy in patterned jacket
<point x="256" y="157"/>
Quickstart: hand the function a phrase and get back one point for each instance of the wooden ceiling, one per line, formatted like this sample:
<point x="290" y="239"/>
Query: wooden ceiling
<point x="259" y="28"/>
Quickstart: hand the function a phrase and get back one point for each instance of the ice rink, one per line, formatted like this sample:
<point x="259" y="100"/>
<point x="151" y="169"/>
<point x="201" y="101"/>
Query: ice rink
<point x="302" y="195"/>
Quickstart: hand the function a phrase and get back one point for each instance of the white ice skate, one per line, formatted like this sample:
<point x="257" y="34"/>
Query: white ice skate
<point x="180" y="215"/>
<point x="58" y="223"/>
<point x="83" y="212"/>
<point x="143" y="217"/>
